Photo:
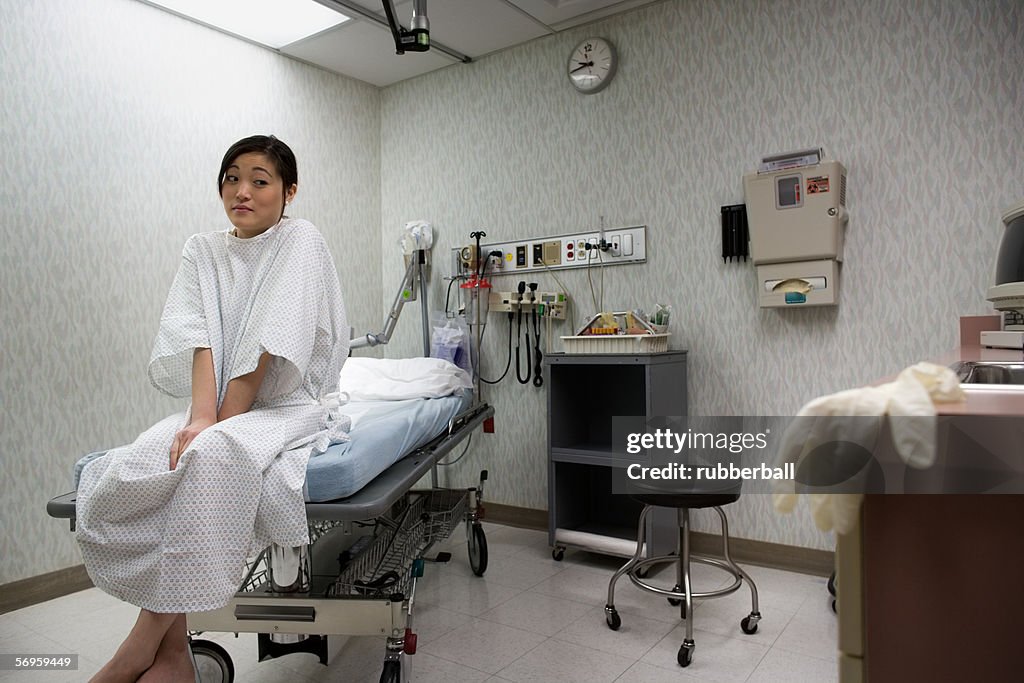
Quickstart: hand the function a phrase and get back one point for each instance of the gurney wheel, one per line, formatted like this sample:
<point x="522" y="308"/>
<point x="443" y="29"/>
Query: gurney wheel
<point x="477" y="549"/>
<point x="213" y="663"/>
<point x="392" y="672"/>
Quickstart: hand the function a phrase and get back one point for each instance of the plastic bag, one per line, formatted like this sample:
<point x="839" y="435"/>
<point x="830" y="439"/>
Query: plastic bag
<point x="450" y="341"/>
<point x="416" y="235"/>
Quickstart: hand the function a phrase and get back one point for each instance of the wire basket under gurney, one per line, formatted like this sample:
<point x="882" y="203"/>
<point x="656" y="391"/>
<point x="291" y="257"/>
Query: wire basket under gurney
<point x="413" y="525"/>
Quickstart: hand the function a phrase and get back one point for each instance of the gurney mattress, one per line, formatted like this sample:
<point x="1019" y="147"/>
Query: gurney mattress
<point x="382" y="433"/>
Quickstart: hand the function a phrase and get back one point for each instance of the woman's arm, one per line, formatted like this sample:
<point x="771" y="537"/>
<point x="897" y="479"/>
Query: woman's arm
<point x="204" y="403"/>
<point x="242" y="390"/>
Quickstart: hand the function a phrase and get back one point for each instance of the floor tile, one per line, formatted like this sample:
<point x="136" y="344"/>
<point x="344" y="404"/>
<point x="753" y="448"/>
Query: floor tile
<point x="430" y="622"/>
<point x="484" y="645"/>
<point x="472" y="596"/>
<point x="543" y="614"/>
<point x="426" y="668"/>
<point x="642" y="672"/>
<point x="722" y="615"/>
<point x="716" y="658"/>
<point x="635" y="636"/>
<point x="554" y="660"/>
<point x="811" y="635"/>
<point x="779" y="665"/>
<point x="784" y="592"/>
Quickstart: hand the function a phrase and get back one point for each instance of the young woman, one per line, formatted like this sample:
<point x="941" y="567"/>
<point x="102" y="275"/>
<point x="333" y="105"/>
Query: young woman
<point x="254" y="331"/>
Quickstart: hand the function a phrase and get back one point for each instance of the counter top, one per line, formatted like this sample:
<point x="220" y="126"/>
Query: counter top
<point x="984" y="399"/>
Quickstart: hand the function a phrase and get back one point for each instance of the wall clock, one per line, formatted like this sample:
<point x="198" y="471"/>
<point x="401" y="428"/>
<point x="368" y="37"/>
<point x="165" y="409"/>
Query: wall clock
<point x="592" y="65"/>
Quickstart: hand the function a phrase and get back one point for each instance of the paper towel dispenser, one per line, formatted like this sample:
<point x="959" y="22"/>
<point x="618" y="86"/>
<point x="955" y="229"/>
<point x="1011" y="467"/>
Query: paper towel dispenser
<point x="796" y="211"/>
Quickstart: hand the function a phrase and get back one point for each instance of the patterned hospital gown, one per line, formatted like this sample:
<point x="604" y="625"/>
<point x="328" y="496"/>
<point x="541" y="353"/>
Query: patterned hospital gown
<point x="177" y="540"/>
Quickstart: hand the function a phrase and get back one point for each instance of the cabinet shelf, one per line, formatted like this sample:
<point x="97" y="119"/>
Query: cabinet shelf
<point x="585" y="395"/>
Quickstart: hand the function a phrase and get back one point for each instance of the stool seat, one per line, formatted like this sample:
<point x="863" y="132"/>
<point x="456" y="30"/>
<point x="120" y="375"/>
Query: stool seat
<point x="686" y="500"/>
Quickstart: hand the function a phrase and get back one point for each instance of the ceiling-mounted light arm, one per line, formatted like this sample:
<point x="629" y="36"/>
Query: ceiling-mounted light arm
<point x="417" y="38"/>
<point x="353" y="9"/>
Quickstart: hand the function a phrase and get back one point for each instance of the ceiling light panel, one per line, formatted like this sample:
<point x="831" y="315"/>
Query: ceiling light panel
<point x="269" y="22"/>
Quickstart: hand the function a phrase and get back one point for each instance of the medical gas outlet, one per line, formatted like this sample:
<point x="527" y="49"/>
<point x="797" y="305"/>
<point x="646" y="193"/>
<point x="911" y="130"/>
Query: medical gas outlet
<point x="796" y="211"/>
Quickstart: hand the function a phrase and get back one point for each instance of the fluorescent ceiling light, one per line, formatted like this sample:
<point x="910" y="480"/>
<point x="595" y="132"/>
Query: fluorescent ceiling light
<point x="274" y="23"/>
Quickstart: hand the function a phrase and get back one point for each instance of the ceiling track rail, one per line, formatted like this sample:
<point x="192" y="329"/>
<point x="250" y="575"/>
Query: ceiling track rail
<point x="348" y="7"/>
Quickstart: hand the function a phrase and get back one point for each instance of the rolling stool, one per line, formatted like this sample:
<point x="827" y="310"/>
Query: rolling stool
<point x="682" y="594"/>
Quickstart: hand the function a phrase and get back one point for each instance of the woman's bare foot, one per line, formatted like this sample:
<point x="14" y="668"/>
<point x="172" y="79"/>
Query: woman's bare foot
<point x="138" y="651"/>
<point x="170" y="668"/>
<point x="173" y="661"/>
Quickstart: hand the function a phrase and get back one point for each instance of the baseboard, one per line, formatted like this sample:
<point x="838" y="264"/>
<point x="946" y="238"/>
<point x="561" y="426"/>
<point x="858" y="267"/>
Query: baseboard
<point x="761" y="553"/>
<point x="764" y="554"/>
<point x="509" y="515"/>
<point x="36" y="589"/>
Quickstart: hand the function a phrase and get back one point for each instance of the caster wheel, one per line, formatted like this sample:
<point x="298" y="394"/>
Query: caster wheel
<point x="833" y="605"/>
<point x="685" y="656"/>
<point x="392" y="672"/>
<point x="477" y="549"/>
<point x="213" y="663"/>
<point x="832" y="584"/>
<point x="747" y="627"/>
<point x="558" y="554"/>
<point x="613" y="619"/>
<point x="675" y="602"/>
<point x="642" y="572"/>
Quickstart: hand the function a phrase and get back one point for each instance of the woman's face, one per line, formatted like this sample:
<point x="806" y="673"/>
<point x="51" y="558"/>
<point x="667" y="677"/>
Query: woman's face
<point x="254" y="194"/>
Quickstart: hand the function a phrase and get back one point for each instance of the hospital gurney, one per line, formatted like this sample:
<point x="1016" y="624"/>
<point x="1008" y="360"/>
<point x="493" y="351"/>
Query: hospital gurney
<point x="358" y="574"/>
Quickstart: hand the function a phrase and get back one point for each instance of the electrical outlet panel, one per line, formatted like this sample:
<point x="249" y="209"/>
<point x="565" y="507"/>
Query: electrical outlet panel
<point x="620" y="246"/>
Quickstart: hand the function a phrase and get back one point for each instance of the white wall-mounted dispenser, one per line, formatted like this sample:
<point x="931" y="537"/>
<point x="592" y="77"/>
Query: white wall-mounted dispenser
<point x="796" y="210"/>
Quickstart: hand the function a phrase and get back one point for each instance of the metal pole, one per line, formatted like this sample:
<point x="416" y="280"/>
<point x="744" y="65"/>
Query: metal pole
<point x="351" y="8"/>
<point x="420" y="255"/>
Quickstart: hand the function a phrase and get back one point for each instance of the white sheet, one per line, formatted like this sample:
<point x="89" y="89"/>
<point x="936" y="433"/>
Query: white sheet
<point x="383" y="379"/>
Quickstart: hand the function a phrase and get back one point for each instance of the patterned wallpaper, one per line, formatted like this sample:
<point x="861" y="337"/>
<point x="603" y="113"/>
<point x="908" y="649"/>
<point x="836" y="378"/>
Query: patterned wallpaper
<point x="116" y="115"/>
<point x="115" y="118"/>
<point x="922" y="101"/>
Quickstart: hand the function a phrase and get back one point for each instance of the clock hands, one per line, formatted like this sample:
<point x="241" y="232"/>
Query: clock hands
<point x="582" y="65"/>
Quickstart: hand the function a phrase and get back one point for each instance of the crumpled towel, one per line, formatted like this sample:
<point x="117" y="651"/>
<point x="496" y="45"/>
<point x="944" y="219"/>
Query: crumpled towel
<point x="914" y="393"/>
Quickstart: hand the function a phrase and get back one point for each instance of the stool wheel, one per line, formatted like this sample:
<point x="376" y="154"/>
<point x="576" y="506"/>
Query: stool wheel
<point x="642" y="572"/>
<point x="747" y="627"/>
<point x="685" y="656"/>
<point x="558" y="554"/>
<point x="611" y="616"/>
<point x="676" y="602"/>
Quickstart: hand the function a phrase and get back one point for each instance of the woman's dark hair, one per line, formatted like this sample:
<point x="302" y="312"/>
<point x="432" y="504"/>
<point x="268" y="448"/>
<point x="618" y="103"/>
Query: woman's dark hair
<point x="274" y="149"/>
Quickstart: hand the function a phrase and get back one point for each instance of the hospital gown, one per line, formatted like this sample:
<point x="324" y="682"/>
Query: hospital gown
<point x="177" y="540"/>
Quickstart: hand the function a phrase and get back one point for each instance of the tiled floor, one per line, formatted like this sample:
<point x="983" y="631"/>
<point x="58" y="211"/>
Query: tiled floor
<point x="528" y="619"/>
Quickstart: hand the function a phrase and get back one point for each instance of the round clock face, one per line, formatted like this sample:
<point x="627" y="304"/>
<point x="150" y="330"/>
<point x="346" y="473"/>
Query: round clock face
<point x="592" y="65"/>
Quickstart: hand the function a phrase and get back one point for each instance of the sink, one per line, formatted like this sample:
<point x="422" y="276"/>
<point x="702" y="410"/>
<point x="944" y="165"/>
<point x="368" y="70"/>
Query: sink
<point x="989" y="372"/>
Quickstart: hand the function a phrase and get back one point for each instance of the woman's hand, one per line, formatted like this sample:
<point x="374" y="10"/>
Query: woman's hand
<point x="185" y="436"/>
